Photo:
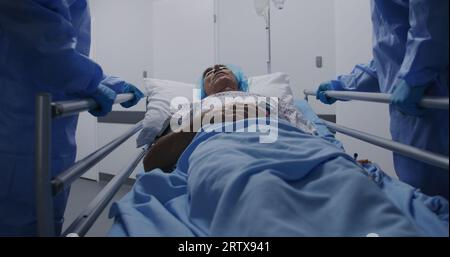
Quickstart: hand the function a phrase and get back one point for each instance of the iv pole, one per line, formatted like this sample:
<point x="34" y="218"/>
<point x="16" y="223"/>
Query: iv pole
<point x="269" y="42"/>
<point x="260" y="9"/>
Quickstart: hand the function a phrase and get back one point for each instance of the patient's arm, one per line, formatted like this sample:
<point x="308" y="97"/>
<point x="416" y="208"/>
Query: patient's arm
<point x="165" y="153"/>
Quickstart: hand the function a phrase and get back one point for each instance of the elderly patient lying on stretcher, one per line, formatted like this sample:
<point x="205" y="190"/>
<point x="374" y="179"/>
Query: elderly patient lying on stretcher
<point x="224" y="100"/>
<point x="231" y="184"/>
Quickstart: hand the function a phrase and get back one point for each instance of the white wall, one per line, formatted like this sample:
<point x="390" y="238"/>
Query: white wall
<point x="122" y="44"/>
<point x="86" y="137"/>
<point x="122" y="39"/>
<point x="353" y="30"/>
<point x="241" y="36"/>
<point x="183" y="34"/>
<point x="122" y="156"/>
<point x="300" y="32"/>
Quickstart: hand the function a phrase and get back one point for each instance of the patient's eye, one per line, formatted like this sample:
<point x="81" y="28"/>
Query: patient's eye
<point x="207" y="72"/>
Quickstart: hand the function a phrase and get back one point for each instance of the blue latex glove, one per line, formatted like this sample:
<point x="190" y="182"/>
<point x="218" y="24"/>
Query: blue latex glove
<point x="406" y="98"/>
<point x="138" y="95"/>
<point x="105" y="97"/>
<point x="321" y="93"/>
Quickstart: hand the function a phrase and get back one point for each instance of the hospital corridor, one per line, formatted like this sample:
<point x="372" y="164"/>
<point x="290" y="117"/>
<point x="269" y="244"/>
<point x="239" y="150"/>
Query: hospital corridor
<point x="224" y="119"/>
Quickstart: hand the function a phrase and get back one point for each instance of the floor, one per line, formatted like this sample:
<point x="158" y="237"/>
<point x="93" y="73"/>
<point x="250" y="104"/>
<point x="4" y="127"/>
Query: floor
<point x="82" y="192"/>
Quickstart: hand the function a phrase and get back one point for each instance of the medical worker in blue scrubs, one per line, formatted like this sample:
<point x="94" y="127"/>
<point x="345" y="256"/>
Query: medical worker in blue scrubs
<point x="44" y="47"/>
<point x="410" y="61"/>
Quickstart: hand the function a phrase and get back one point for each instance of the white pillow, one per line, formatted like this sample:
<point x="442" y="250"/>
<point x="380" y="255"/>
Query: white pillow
<point x="278" y="85"/>
<point x="162" y="92"/>
<point x="272" y="85"/>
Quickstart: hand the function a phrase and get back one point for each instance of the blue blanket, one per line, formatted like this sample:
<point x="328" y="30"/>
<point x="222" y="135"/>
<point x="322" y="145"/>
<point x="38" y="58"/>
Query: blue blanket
<point x="429" y="214"/>
<point x="228" y="184"/>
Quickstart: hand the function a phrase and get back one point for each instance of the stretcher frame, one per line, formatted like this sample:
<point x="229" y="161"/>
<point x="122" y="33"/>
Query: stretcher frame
<point x="48" y="187"/>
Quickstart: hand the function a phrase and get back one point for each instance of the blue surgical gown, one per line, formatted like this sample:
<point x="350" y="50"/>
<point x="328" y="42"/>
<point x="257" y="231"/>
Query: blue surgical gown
<point x="44" y="47"/>
<point x="410" y="44"/>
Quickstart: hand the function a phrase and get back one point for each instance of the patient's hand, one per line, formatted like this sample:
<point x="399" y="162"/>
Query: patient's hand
<point x="165" y="153"/>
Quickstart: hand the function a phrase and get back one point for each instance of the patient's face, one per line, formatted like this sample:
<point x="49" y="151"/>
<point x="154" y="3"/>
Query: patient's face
<point x="219" y="79"/>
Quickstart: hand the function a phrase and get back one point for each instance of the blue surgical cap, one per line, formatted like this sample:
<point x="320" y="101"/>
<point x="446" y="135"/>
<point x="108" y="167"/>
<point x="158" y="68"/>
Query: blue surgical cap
<point x="238" y="74"/>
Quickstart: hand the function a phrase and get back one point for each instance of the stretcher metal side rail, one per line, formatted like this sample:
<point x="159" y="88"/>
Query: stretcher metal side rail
<point x="428" y="102"/>
<point x="47" y="187"/>
<point x="434" y="159"/>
